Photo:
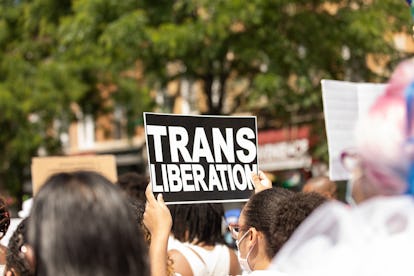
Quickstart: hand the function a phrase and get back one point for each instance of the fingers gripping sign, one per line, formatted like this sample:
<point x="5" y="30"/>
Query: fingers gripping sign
<point x="261" y="182"/>
<point x="157" y="216"/>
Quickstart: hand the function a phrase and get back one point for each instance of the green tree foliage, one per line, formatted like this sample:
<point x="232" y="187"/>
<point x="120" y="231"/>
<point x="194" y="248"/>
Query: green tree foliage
<point x="34" y="88"/>
<point x="279" y="50"/>
<point x="42" y="72"/>
<point x="54" y="53"/>
<point x="264" y="42"/>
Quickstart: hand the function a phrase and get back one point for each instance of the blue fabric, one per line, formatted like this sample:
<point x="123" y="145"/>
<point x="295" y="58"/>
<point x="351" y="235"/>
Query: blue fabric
<point x="409" y="96"/>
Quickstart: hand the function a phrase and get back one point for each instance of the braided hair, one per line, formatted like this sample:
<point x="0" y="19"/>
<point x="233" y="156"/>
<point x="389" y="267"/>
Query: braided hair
<point x="4" y="218"/>
<point x="14" y="259"/>
<point x="138" y="207"/>
<point x="198" y="223"/>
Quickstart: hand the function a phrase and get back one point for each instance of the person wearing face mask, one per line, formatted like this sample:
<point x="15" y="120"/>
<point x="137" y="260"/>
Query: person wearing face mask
<point x="376" y="235"/>
<point x="266" y="222"/>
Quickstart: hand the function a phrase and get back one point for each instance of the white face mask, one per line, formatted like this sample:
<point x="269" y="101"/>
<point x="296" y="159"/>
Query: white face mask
<point x="348" y="195"/>
<point x="244" y="262"/>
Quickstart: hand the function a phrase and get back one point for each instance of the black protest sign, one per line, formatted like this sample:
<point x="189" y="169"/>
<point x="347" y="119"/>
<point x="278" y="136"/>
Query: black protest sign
<point x="194" y="159"/>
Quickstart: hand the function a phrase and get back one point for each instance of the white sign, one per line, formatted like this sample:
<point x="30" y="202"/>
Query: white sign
<point x="343" y="104"/>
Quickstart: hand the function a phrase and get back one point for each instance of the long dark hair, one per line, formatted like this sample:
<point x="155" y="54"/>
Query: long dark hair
<point x="80" y="224"/>
<point x="198" y="223"/>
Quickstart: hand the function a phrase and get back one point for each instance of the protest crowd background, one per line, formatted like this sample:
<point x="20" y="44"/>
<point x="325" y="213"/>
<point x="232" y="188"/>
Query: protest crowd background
<point x="198" y="138"/>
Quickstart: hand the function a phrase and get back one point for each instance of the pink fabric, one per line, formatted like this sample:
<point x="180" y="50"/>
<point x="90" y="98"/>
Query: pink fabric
<point x="381" y="135"/>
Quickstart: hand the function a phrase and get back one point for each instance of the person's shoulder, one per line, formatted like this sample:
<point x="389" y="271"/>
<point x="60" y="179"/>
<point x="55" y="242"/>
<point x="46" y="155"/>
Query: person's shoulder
<point x="180" y="263"/>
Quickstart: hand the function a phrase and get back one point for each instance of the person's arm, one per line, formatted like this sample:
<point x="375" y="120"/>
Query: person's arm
<point x="157" y="218"/>
<point x="234" y="263"/>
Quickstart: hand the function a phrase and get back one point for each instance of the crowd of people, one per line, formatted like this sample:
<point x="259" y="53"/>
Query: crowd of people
<point x="82" y="224"/>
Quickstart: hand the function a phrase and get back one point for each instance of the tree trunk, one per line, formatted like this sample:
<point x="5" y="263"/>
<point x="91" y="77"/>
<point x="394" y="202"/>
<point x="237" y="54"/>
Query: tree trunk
<point x="208" y="90"/>
<point x="215" y="108"/>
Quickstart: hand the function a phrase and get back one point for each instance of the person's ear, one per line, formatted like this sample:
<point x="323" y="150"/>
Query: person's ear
<point x="253" y="237"/>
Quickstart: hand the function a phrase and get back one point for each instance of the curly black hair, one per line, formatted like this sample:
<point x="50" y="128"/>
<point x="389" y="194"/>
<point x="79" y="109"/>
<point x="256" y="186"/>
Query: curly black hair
<point x="4" y="218"/>
<point x="15" y="261"/>
<point x="277" y="212"/>
<point x="261" y="209"/>
<point x="289" y="215"/>
<point x="134" y="185"/>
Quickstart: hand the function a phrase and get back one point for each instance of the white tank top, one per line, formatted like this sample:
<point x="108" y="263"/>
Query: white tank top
<point x="204" y="262"/>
